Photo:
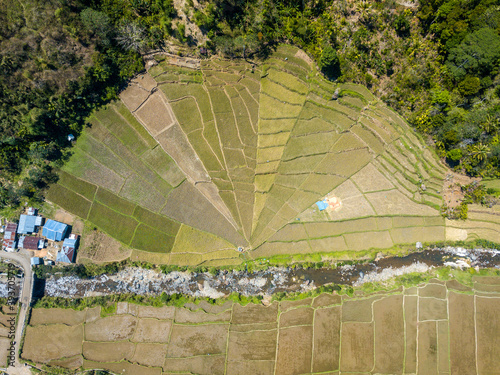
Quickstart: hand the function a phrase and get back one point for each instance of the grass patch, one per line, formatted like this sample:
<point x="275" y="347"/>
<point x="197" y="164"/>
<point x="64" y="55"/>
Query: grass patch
<point x="192" y="240"/>
<point x="122" y="130"/>
<point x="82" y="187"/>
<point x="115" y="202"/>
<point x="159" y="161"/>
<point x="143" y="193"/>
<point x="125" y="113"/>
<point x="115" y="224"/>
<point x="289" y="81"/>
<point x="187" y="114"/>
<point x="69" y="200"/>
<point x="149" y="239"/>
<point x="156" y="221"/>
<point x="281" y="93"/>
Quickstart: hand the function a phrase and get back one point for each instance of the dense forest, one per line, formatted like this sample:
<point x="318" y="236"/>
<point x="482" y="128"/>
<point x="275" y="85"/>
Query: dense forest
<point x="436" y="63"/>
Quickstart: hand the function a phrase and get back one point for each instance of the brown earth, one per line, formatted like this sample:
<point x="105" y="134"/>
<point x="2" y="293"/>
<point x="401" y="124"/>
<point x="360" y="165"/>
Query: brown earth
<point x="98" y="247"/>
<point x="409" y="330"/>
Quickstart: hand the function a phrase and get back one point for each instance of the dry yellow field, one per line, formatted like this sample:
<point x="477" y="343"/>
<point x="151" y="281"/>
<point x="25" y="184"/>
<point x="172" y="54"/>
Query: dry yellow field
<point x="437" y="328"/>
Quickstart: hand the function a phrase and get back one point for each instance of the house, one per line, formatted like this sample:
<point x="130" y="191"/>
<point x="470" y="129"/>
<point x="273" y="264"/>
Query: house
<point x="68" y="251"/>
<point x="31" y="211"/>
<point x="54" y="230"/>
<point x="9" y="237"/>
<point x="28" y="224"/>
<point x="35" y="261"/>
<point x="31" y="243"/>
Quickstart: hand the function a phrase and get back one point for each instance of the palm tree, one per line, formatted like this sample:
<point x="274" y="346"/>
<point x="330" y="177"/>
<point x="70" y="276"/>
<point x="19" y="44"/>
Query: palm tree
<point x="490" y="124"/>
<point x="479" y="151"/>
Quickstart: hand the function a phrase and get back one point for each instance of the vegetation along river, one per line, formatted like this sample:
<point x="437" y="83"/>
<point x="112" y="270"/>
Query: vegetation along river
<point x="269" y="281"/>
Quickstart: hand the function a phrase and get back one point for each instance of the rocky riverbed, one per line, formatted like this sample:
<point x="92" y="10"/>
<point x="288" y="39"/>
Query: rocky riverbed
<point x="266" y="282"/>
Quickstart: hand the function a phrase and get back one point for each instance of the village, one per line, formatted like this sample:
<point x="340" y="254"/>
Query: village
<point x="46" y="240"/>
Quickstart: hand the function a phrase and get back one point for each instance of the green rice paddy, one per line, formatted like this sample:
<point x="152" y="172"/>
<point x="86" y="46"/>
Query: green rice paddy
<point x="260" y="145"/>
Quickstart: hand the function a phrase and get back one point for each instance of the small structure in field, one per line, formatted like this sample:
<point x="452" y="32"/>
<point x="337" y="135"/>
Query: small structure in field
<point x="28" y="224"/>
<point x="322" y="205"/>
<point x="9" y="237"/>
<point x="31" y="243"/>
<point x="68" y="251"/>
<point x="54" y="230"/>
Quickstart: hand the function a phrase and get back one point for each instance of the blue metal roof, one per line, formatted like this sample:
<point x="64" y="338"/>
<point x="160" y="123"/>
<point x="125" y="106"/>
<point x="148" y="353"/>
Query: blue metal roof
<point x="70" y="242"/>
<point x="27" y="224"/>
<point x="67" y="253"/>
<point x="36" y="261"/>
<point x="322" y="205"/>
<point x="54" y="230"/>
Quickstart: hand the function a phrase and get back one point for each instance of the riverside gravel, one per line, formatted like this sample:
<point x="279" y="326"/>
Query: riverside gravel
<point x="269" y="281"/>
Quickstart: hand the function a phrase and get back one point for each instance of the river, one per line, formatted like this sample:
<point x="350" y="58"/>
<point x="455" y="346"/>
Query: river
<point x="269" y="281"/>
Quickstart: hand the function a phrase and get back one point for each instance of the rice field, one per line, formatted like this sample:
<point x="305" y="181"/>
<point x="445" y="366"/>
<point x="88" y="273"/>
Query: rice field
<point x="438" y="327"/>
<point x="242" y="152"/>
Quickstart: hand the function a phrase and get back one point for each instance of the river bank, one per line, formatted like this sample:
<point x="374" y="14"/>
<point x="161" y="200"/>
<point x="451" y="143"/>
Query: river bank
<point x="270" y="281"/>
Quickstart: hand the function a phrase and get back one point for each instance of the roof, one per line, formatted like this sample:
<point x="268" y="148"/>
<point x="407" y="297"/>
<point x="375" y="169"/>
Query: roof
<point x="36" y="261"/>
<point x="9" y="244"/>
<point x="27" y="224"/>
<point x="70" y="242"/>
<point x="67" y="253"/>
<point x="54" y="230"/>
<point x="10" y="231"/>
<point x="30" y="243"/>
<point x="322" y="205"/>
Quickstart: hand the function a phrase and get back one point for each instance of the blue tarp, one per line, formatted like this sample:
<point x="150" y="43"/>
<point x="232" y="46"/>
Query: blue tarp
<point x="54" y="230"/>
<point x="27" y="224"/>
<point x="322" y="205"/>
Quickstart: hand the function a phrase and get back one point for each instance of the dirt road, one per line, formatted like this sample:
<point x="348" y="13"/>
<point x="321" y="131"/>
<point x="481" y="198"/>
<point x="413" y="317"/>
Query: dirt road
<point x="21" y="258"/>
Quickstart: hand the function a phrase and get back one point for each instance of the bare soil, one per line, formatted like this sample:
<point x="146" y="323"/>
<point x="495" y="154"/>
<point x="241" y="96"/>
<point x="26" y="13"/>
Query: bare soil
<point x="452" y="193"/>
<point x="98" y="247"/>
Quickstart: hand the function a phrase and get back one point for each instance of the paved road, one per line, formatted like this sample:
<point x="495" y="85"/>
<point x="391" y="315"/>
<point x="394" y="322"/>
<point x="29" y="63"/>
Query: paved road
<point x="21" y="258"/>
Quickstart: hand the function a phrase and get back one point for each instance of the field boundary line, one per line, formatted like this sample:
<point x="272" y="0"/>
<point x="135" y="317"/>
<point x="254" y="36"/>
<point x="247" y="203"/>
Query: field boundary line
<point x="216" y="126"/>
<point x="417" y="335"/>
<point x="313" y="335"/>
<point x="277" y="338"/>
<point x="230" y="219"/>
<point x="404" y="330"/>
<point x="475" y="334"/>
<point x="139" y="159"/>
<point x="133" y="129"/>
<point x="227" y="340"/>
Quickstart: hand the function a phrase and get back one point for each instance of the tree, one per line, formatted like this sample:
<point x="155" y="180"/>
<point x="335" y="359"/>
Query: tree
<point x="479" y="151"/>
<point x="131" y="37"/>
<point x="329" y="62"/>
<point x="402" y="26"/>
<point x="478" y="54"/>
<point x="469" y="86"/>
<point x="454" y="156"/>
<point x="97" y="23"/>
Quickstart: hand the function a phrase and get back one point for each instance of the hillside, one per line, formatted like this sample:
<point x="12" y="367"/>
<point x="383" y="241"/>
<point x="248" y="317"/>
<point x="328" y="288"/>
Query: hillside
<point x="201" y="157"/>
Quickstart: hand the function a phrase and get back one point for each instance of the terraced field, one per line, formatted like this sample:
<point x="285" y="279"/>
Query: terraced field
<point x="236" y="154"/>
<point x="437" y="328"/>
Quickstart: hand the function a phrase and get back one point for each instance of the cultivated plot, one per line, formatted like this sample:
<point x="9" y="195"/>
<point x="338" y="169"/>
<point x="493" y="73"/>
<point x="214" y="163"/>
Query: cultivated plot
<point x="438" y="328"/>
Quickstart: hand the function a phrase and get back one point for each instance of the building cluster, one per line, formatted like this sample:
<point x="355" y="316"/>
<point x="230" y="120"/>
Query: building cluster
<point x="49" y="240"/>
